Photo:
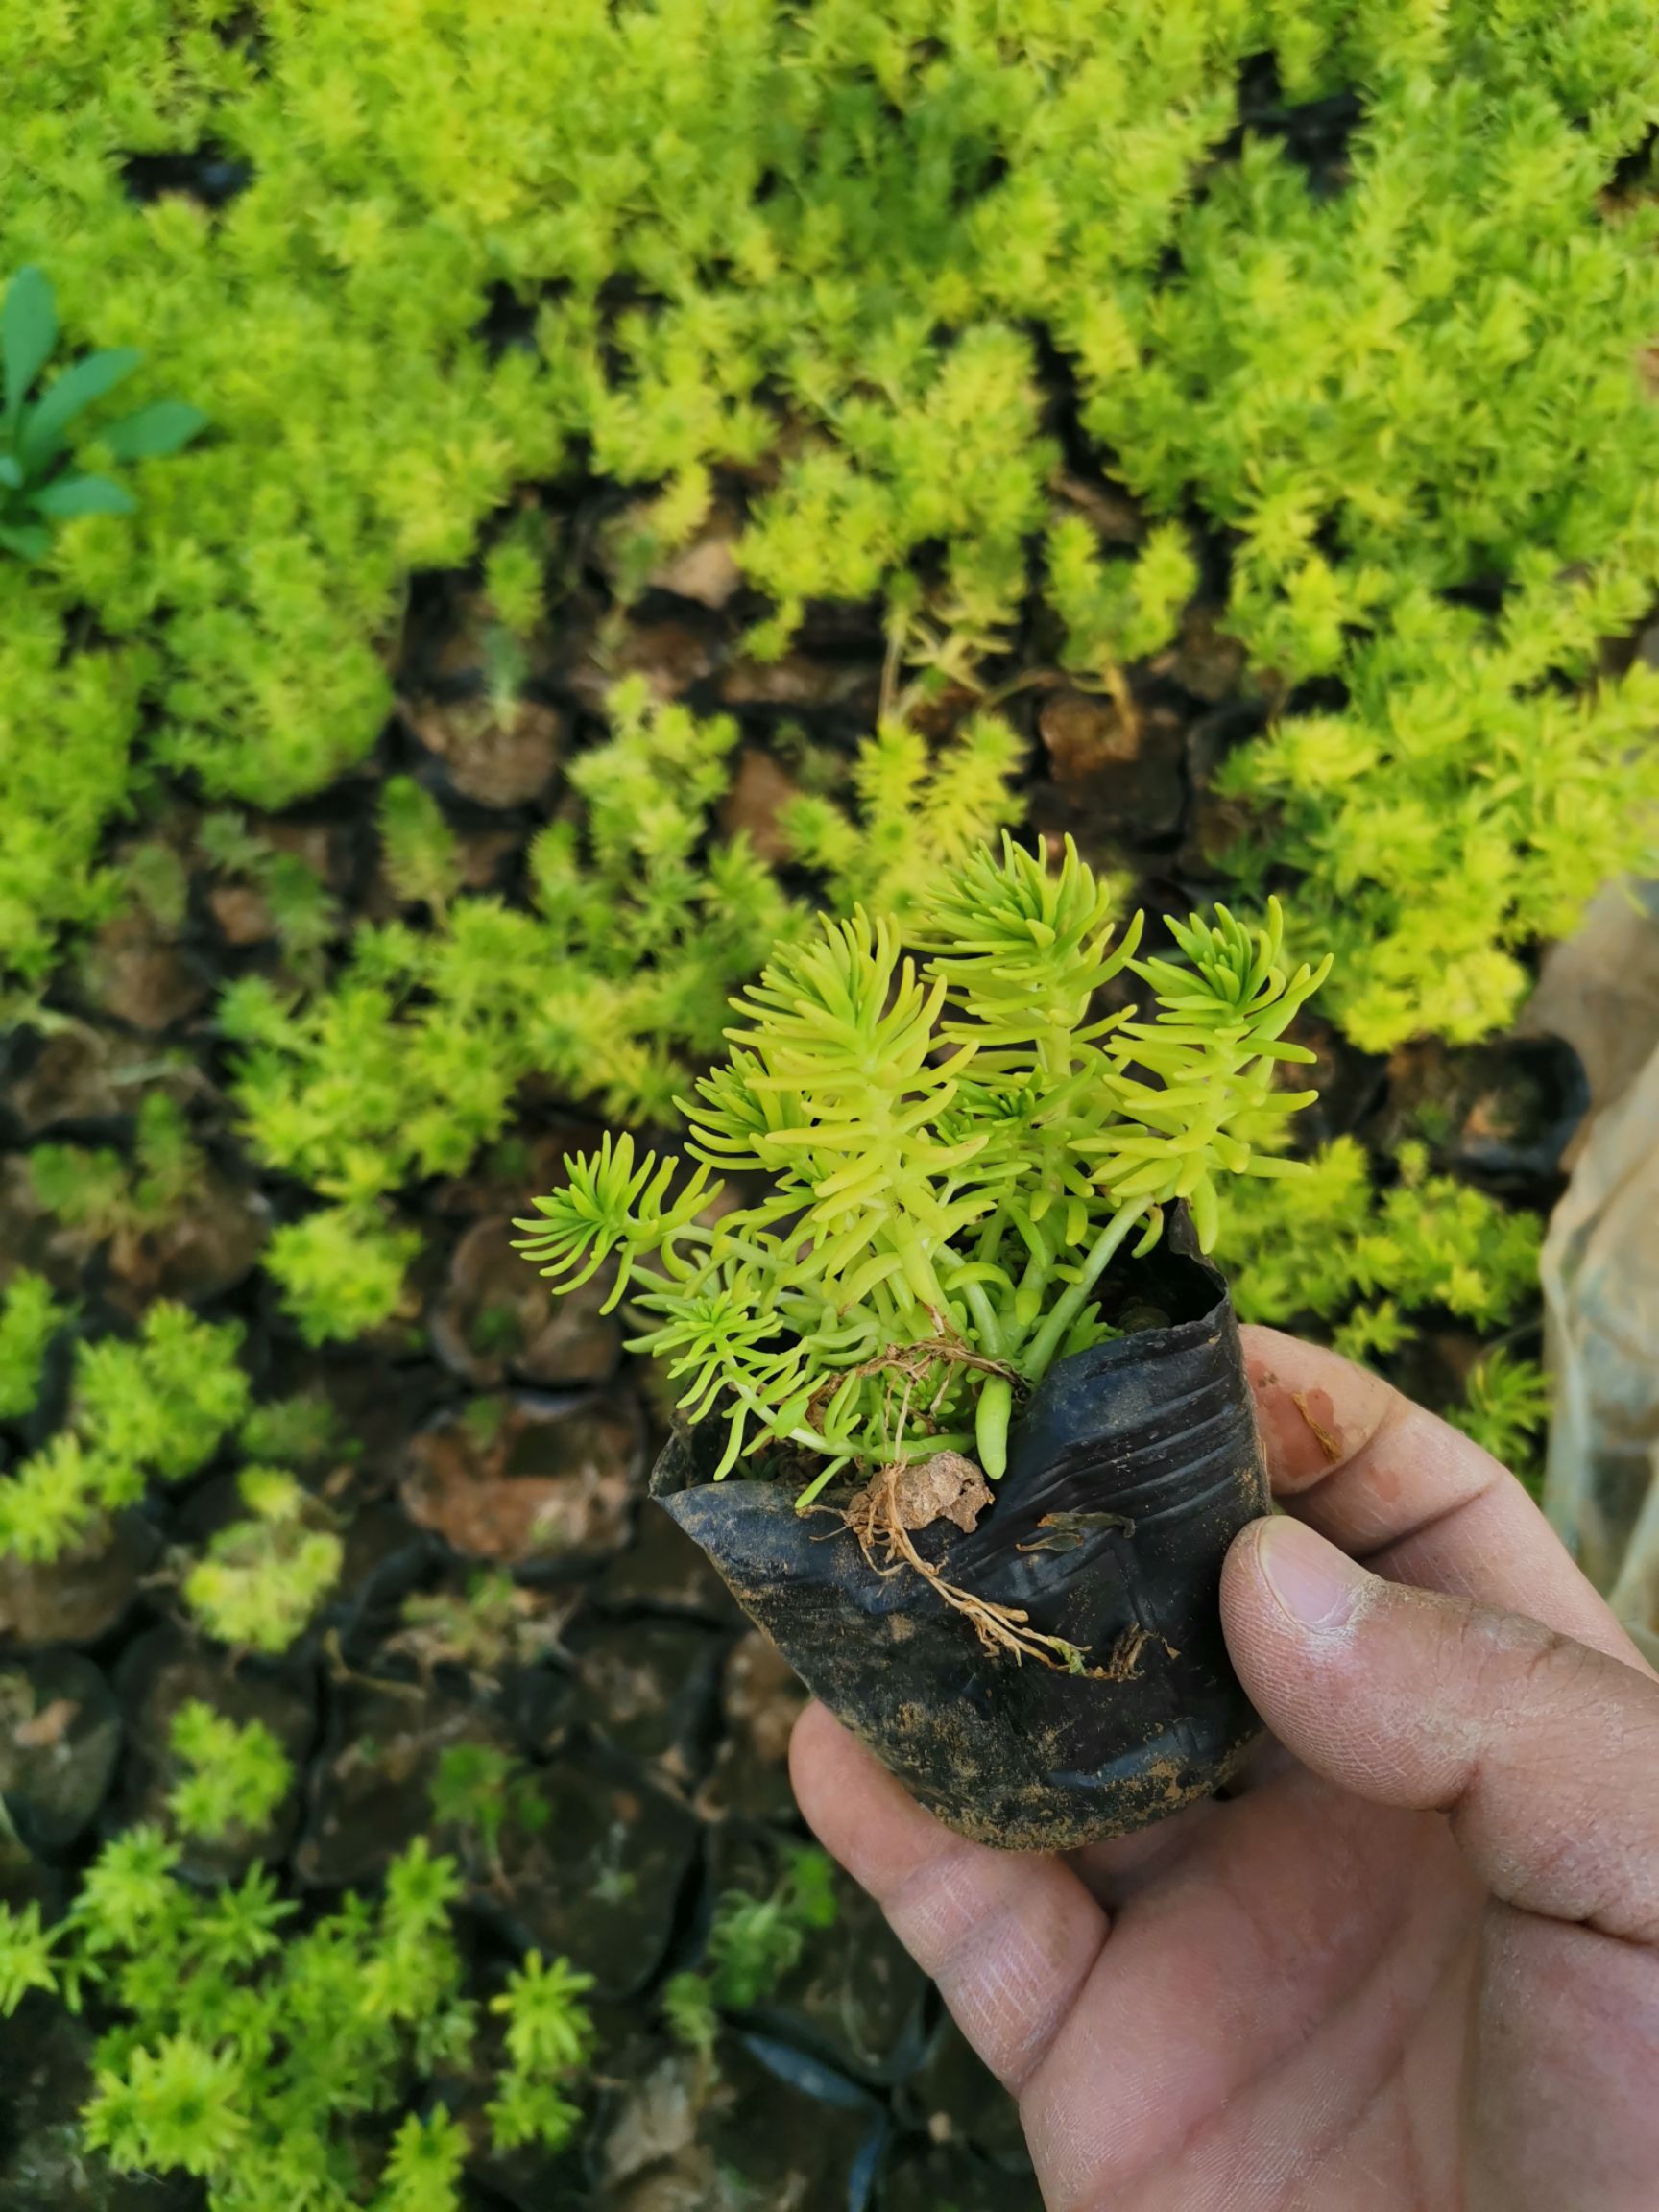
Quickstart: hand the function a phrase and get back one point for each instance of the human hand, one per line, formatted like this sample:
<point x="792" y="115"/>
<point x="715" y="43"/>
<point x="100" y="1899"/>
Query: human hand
<point x="1411" y="1964"/>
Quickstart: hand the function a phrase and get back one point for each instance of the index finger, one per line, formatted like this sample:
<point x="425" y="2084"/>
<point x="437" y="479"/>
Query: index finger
<point x="1408" y="1495"/>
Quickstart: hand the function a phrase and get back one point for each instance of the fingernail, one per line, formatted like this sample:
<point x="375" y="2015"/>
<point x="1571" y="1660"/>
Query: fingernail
<point x="1314" y="1583"/>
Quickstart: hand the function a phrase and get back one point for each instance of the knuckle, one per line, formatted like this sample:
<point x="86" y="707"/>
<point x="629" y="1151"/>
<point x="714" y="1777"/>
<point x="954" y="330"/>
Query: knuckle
<point x="939" y="1904"/>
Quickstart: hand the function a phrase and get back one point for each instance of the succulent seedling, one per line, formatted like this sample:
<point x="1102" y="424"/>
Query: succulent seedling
<point x="956" y="1140"/>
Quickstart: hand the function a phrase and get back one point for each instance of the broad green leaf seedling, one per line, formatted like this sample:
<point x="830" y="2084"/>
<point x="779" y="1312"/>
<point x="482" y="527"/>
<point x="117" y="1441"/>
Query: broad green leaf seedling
<point x="40" y="482"/>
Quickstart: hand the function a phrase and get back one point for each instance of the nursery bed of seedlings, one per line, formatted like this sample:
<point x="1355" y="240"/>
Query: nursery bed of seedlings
<point x="565" y="556"/>
<point x="466" y="1623"/>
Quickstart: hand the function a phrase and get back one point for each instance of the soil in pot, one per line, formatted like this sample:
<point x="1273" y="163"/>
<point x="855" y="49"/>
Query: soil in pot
<point x="1131" y="1469"/>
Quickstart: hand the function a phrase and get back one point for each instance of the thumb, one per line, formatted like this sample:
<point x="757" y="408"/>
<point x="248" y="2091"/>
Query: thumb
<point x="1544" y="1753"/>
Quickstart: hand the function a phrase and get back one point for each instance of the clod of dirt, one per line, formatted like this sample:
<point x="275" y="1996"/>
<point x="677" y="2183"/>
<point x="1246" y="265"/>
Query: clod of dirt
<point x="655" y="2128"/>
<point x="240" y="907"/>
<point x="649" y="1690"/>
<point x="600" y="1879"/>
<point x="672" y="657"/>
<point x="761" y="1700"/>
<point x="60" y="1738"/>
<point x="1116" y="517"/>
<point x="161" y="1672"/>
<point x="1086" y="738"/>
<point x="661" y="1569"/>
<point x="372" y="1790"/>
<point x="242" y="913"/>
<point x="526" y="1479"/>
<point x="759" y="794"/>
<point x="488" y="857"/>
<point x="804" y="682"/>
<point x="1509" y="1109"/>
<point x="326" y="848"/>
<point x="1117" y="763"/>
<point x="948" y="1486"/>
<point x="134" y="970"/>
<point x="707" y="569"/>
<point x="1216" y="827"/>
<point x="1204" y="660"/>
<point x="502" y="755"/>
<point x="81" y="1597"/>
<point x="206" y="1251"/>
<point x="71" y="1078"/>
<point x="494" y="1318"/>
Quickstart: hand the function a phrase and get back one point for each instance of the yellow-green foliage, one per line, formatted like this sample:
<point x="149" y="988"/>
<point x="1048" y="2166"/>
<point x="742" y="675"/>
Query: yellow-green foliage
<point x="234" y="1778"/>
<point x="615" y="985"/>
<point x="153" y="1409"/>
<point x="105" y="1195"/>
<point x="259" y="1581"/>
<point x="29" y="1317"/>
<point x="157" y="1409"/>
<point x="1333" y="1255"/>
<point x="1506" y="1408"/>
<point x="284" y="2064"/>
<point x="1428" y="380"/>
<point x="1328" y="1246"/>
<point x="830" y="247"/>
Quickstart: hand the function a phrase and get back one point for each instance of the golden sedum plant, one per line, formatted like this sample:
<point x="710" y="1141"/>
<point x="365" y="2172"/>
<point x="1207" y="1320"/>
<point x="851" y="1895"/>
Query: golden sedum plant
<point x="956" y="1143"/>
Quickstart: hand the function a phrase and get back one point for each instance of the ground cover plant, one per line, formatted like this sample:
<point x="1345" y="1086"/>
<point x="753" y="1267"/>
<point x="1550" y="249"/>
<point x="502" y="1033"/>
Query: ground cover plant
<point x="638" y="931"/>
<point x="815" y="250"/>
<point x="247" y="2058"/>
<point x="954" y="1150"/>
<point x="655" y="477"/>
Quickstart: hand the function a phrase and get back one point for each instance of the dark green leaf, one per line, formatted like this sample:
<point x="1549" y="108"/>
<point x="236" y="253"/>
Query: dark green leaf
<point x="30" y="541"/>
<point x="83" y="495"/>
<point x="27" y="332"/>
<point x="11" y="475"/>
<point x="44" y="424"/>
<point x="161" y="429"/>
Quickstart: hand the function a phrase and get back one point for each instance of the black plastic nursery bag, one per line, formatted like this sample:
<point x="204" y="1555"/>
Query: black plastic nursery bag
<point x="1131" y="1469"/>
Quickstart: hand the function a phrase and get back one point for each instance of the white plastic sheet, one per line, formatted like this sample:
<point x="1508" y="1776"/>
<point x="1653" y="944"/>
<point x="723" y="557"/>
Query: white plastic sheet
<point x="1600" y="1262"/>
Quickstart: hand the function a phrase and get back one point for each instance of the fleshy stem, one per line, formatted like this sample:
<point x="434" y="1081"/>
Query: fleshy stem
<point x="1040" y="1353"/>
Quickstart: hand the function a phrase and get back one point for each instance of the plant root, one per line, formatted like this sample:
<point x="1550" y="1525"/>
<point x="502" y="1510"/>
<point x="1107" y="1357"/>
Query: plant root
<point x="879" y="1517"/>
<point x="910" y="1363"/>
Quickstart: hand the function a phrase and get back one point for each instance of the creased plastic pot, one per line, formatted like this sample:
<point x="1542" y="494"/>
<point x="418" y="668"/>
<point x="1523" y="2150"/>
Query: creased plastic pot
<point x="1152" y="1438"/>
